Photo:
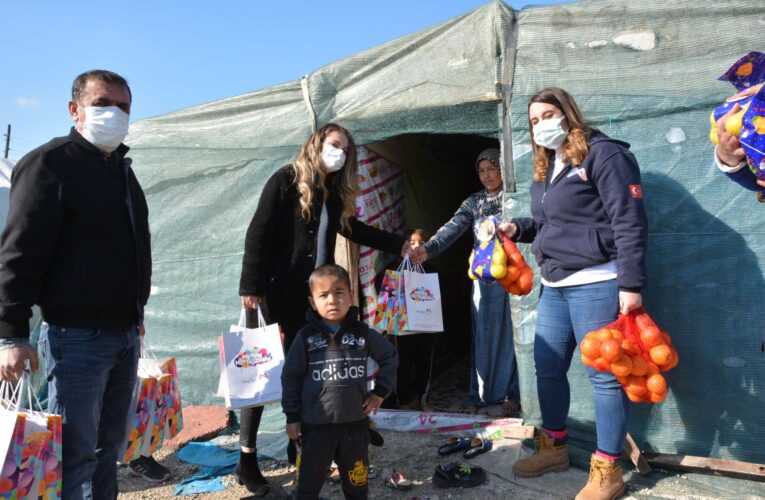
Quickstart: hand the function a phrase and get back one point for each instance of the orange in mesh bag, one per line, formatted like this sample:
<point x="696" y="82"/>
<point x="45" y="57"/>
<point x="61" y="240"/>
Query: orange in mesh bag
<point x="636" y="351"/>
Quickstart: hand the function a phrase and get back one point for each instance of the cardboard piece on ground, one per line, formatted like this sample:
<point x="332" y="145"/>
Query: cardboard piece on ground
<point x="499" y="461"/>
<point x="703" y="465"/>
<point x="633" y="452"/>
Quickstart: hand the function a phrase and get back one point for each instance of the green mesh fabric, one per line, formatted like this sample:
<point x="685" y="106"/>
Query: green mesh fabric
<point x="644" y="72"/>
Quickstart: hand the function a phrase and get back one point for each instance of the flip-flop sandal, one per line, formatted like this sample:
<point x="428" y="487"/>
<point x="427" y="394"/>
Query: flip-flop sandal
<point x="453" y="445"/>
<point x="395" y="479"/>
<point x="334" y="475"/>
<point x="456" y="475"/>
<point x="478" y="446"/>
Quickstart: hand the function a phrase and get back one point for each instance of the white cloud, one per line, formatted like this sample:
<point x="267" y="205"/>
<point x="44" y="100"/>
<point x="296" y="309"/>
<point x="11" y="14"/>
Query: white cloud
<point x="27" y="101"/>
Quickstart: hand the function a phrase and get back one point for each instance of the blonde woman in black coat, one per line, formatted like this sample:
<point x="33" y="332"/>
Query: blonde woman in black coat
<point x="301" y="210"/>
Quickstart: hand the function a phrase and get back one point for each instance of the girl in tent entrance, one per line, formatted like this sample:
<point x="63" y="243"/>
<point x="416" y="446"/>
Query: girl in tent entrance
<point x="494" y="375"/>
<point x="301" y="210"/>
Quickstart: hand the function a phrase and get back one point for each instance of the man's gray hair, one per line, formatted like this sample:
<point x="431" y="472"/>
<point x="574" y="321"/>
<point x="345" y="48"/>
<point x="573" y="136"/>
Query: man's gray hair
<point x="100" y="75"/>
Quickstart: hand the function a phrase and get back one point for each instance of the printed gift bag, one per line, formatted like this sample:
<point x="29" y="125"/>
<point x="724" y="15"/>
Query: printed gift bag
<point x="388" y="302"/>
<point x="155" y="410"/>
<point x="30" y="447"/>
<point x="423" y="302"/>
<point x="251" y="364"/>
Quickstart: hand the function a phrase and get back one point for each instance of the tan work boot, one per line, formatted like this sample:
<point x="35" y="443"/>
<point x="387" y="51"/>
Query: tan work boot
<point x="605" y="481"/>
<point x="547" y="457"/>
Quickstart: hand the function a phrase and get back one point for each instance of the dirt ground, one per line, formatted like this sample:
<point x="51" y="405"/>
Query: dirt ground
<point x="414" y="454"/>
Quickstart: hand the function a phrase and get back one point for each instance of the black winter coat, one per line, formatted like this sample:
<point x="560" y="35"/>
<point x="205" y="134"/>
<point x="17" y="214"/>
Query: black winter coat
<point x="280" y="247"/>
<point x="69" y="244"/>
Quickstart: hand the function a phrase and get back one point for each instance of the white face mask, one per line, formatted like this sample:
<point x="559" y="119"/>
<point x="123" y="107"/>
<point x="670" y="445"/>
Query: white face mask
<point x="105" y="127"/>
<point x="549" y="133"/>
<point x="333" y="158"/>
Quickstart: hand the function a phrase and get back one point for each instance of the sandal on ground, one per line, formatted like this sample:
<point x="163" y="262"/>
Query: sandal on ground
<point x="395" y="479"/>
<point x="375" y="438"/>
<point x="148" y="469"/>
<point x="334" y="474"/>
<point x="454" y="475"/>
<point x="511" y="408"/>
<point x="478" y="446"/>
<point x="453" y="445"/>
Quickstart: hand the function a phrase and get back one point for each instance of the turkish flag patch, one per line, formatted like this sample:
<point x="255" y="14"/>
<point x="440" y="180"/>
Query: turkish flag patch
<point x="636" y="190"/>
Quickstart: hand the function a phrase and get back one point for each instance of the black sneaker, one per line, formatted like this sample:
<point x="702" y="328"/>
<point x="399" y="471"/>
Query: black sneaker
<point x="149" y="469"/>
<point x="375" y="438"/>
<point x="455" y="475"/>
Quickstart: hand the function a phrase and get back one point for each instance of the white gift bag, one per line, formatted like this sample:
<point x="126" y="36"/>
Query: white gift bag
<point x="423" y="301"/>
<point x="251" y="364"/>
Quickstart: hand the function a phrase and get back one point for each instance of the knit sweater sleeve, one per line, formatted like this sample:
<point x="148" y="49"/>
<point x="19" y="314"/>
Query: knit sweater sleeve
<point x="260" y="234"/>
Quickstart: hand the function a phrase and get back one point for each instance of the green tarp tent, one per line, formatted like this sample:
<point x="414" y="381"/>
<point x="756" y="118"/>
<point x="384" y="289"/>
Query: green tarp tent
<point x="644" y="72"/>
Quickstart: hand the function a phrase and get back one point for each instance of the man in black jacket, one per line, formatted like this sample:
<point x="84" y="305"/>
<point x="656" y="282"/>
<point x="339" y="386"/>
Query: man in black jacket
<point x="77" y="244"/>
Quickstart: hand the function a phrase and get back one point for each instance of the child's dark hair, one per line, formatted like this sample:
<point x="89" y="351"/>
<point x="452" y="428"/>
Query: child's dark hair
<point x="329" y="270"/>
<point x="419" y="232"/>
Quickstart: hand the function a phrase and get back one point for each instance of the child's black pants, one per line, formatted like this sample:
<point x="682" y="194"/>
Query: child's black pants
<point x="346" y="444"/>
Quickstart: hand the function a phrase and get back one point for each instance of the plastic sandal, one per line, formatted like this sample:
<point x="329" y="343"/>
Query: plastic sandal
<point x="478" y="446"/>
<point x="395" y="479"/>
<point x="453" y="445"/>
<point x="455" y="475"/>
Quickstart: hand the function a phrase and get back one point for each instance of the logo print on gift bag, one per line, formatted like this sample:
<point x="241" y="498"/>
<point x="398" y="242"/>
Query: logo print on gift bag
<point x="252" y="357"/>
<point x="421" y="294"/>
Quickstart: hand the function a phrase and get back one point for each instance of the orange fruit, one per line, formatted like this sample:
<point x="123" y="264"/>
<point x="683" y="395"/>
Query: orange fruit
<point x="643" y="321"/>
<point x="661" y="355"/>
<point x="590" y="347"/>
<point x="603" y="334"/>
<point x="629" y="348"/>
<point x="656" y="383"/>
<point x="675" y="361"/>
<point x="622" y="380"/>
<point x="657" y="397"/>
<point x="512" y="273"/>
<point x="610" y="350"/>
<point x="601" y="364"/>
<point x="650" y="336"/>
<point x="639" y="366"/>
<point x="526" y="280"/>
<point x="653" y="368"/>
<point x="636" y="385"/>
<point x="666" y="338"/>
<point x="514" y="289"/>
<point x="635" y="398"/>
<point x="622" y="366"/>
<point x="618" y="335"/>
<point x="586" y="361"/>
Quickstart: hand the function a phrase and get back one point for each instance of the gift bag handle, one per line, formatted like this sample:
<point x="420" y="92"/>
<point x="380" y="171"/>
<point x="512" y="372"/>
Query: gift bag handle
<point x="10" y="392"/>
<point x="243" y="318"/>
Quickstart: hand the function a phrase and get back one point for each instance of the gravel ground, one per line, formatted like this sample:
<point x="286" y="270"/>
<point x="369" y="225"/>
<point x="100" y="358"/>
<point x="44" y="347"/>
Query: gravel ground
<point x="414" y="454"/>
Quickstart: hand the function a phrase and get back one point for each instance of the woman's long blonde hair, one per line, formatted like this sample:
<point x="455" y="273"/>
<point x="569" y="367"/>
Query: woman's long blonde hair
<point x="575" y="146"/>
<point x="311" y="173"/>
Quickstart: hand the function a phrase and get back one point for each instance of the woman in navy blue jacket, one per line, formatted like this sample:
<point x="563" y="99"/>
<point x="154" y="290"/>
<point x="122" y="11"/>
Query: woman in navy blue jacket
<point x="588" y="234"/>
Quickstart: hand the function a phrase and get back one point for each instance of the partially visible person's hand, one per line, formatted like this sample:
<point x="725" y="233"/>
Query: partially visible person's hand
<point x="12" y="361"/>
<point x="629" y="301"/>
<point x="251" y="301"/>
<point x="729" y="149"/>
<point x="372" y="404"/>
<point x="508" y="229"/>
<point x="406" y="249"/>
<point x="761" y="183"/>
<point x="141" y="330"/>
<point x="293" y="431"/>
<point x="418" y="255"/>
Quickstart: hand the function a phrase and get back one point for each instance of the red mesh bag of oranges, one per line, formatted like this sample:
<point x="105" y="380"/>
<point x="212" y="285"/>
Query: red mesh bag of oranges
<point x="636" y="351"/>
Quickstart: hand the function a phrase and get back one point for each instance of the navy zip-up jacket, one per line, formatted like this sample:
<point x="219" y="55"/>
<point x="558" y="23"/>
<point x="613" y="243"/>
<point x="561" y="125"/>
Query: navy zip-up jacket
<point x="590" y="215"/>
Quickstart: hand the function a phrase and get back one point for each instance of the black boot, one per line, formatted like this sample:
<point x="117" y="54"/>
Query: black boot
<point x="248" y="473"/>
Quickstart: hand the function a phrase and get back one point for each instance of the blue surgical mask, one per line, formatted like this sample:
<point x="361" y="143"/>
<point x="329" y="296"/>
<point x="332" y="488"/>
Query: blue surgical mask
<point x="549" y="133"/>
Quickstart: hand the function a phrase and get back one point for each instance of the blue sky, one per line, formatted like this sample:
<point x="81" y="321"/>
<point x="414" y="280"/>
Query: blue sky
<point x="178" y="54"/>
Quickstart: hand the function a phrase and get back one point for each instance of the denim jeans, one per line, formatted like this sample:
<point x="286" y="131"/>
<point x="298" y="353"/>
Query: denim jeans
<point x="564" y="316"/>
<point x="493" y="374"/>
<point x="91" y="376"/>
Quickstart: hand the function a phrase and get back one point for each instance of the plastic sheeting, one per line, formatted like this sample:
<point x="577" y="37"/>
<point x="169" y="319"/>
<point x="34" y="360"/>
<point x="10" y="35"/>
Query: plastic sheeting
<point x="641" y="71"/>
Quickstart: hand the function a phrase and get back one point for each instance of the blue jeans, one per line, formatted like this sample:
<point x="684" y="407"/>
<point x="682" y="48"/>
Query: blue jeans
<point x="91" y="376"/>
<point x="493" y="374"/>
<point x="564" y="316"/>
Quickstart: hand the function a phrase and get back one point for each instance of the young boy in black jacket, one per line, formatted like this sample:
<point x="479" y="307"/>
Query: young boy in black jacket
<point x="324" y="386"/>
